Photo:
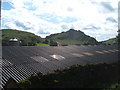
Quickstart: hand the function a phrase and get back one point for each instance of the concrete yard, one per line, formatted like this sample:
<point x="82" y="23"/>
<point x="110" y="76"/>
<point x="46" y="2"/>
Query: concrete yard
<point x="19" y="62"/>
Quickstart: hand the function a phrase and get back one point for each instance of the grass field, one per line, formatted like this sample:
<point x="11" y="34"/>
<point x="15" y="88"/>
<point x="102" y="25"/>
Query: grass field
<point x="41" y="44"/>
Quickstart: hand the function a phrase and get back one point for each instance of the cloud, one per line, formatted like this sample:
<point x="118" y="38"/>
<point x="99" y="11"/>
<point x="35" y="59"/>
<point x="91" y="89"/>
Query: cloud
<point x="91" y="27"/>
<point x="111" y="19"/>
<point x="107" y="6"/>
<point x="43" y="32"/>
<point x="70" y="9"/>
<point x="10" y="25"/>
<point x="64" y="27"/>
<point x="20" y="24"/>
<point x="45" y="17"/>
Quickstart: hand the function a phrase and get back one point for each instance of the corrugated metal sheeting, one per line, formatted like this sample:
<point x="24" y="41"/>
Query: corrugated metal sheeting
<point x="21" y="62"/>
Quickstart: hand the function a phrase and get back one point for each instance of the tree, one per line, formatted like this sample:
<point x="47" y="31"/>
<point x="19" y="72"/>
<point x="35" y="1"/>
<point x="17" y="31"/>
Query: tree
<point x="53" y="43"/>
<point x="46" y="41"/>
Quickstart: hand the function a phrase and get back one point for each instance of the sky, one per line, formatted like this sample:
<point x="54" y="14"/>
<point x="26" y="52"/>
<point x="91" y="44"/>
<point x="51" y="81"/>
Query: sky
<point x="96" y="18"/>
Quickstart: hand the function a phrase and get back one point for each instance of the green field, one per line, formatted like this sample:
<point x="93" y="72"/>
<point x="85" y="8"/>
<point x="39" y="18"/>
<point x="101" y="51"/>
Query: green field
<point x="41" y="44"/>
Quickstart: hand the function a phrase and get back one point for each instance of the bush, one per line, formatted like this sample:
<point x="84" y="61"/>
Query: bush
<point x="25" y="84"/>
<point x="53" y="43"/>
<point x="89" y="76"/>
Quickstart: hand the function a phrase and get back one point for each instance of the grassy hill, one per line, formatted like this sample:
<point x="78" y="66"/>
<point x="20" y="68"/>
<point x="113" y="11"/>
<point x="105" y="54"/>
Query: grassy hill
<point x="115" y="40"/>
<point x="111" y="41"/>
<point x="72" y="37"/>
<point x="27" y="38"/>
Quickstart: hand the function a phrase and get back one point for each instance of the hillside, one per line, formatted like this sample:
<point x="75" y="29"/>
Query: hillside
<point x="115" y="40"/>
<point x="27" y="38"/>
<point x="111" y="41"/>
<point x="72" y="37"/>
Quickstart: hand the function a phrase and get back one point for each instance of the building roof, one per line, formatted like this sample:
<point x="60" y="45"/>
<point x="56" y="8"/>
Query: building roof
<point x="19" y="63"/>
<point x="14" y="39"/>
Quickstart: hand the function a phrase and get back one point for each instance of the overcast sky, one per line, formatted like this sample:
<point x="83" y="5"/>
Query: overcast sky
<point x="97" y="18"/>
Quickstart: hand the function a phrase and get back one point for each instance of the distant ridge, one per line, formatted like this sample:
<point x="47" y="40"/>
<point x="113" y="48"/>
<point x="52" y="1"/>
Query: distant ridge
<point x="72" y="37"/>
